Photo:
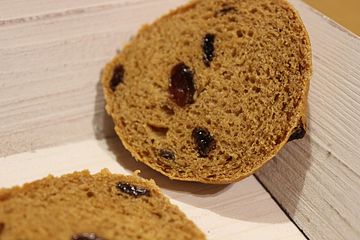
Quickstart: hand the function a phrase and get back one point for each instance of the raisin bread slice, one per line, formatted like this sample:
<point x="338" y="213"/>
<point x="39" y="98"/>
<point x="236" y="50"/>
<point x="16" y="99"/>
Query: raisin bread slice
<point x="81" y="206"/>
<point x="213" y="90"/>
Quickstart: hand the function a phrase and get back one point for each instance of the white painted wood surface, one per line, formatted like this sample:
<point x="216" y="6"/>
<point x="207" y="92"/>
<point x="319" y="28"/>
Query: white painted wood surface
<point x="51" y="54"/>
<point x="317" y="180"/>
<point x="239" y="211"/>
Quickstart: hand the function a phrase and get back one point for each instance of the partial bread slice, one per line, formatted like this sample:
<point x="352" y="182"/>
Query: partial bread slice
<point x="81" y="206"/>
<point x="213" y="90"/>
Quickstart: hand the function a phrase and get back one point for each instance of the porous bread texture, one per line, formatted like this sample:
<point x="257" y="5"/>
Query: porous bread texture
<point x="251" y="98"/>
<point x="61" y="207"/>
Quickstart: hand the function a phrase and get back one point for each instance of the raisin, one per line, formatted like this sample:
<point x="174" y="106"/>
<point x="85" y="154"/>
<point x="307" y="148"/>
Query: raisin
<point x="86" y="236"/>
<point x="182" y="87"/>
<point x="117" y="77"/>
<point x="203" y="140"/>
<point x="298" y="133"/>
<point x="167" y="154"/>
<point x="208" y="48"/>
<point x="132" y="190"/>
<point x="225" y="10"/>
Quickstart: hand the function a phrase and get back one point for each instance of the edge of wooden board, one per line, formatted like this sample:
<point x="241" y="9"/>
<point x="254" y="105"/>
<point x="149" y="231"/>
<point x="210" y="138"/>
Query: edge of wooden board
<point x="317" y="180"/>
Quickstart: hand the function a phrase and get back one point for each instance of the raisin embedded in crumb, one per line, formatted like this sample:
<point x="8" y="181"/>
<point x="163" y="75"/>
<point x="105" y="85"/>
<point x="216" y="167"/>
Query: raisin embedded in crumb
<point x="182" y="87"/>
<point x="2" y="226"/>
<point x="86" y="236"/>
<point x="208" y="48"/>
<point x="204" y="141"/>
<point x="298" y="133"/>
<point x="225" y="10"/>
<point x="167" y="154"/>
<point x="132" y="190"/>
<point x="117" y="77"/>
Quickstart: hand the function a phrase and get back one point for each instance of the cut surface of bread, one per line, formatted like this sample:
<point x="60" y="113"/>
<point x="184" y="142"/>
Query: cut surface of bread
<point x="81" y="206"/>
<point x="213" y="90"/>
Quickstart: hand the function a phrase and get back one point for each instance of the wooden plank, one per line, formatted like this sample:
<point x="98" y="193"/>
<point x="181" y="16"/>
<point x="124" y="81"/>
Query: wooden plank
<point x="50" y="66"/>
<point x="239" y="211"/>
<point x="317" y="180"/>
<point x="21" y="10"/>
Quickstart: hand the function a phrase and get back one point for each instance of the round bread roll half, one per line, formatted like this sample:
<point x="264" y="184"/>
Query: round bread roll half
<point x="213" y="90"/>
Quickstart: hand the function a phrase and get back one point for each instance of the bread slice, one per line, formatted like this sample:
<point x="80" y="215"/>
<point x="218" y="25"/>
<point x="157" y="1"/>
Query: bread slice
<point x="213" y="90"/>
<point x="81" y="206"/>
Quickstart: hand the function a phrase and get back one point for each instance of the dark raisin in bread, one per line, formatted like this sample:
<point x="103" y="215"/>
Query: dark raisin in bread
<point x="81" y="206"/>
<point x="213" y="90"/>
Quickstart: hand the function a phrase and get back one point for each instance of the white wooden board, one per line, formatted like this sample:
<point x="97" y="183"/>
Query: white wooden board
<point x="239" y="211"/>
<point x="317" y="180"/>
<point x="51" y="56"/>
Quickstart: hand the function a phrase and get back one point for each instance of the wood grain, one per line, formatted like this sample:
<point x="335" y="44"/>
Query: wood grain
<point x="317" y="180"/>
<point x="238" y="211"/>
<point x="12" y="11"/>
<point x="52" y="53"/>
